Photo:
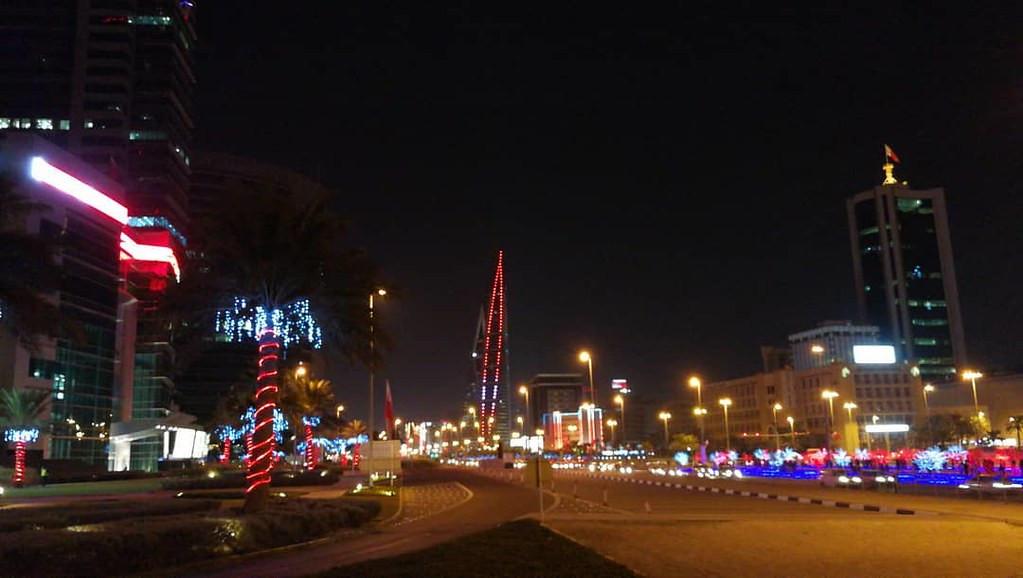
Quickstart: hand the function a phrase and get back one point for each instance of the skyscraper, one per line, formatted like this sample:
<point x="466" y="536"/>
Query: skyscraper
<point x="491" y="362"/>
<point x="111" y="81"/>
<point x="905" y="274"/>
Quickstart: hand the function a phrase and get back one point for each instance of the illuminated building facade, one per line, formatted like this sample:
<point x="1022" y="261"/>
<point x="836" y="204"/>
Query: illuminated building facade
<point x="829" y="342"/>
<point x="111" y="81"/>
<point x="554" y="392"/>
<point x="905" y="275"/>
<point x="490" y="358"/>
<point x="86" y="213"/>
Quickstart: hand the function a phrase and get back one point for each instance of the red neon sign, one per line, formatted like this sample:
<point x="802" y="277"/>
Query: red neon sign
<point x="133" y="251"/>
<point x="44" y="172"/>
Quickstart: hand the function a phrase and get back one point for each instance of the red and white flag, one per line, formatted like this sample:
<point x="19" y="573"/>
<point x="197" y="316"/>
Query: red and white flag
<point x="890" y="155"/>
<point x="388" y="408"/>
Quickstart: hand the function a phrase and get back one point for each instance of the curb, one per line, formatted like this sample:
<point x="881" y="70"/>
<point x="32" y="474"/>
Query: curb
<point x="768" y="496"/>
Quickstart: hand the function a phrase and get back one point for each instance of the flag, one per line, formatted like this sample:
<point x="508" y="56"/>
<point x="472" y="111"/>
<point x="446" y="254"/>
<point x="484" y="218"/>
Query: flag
<point x="388" y="408"/>
<point x="889" y="154"/>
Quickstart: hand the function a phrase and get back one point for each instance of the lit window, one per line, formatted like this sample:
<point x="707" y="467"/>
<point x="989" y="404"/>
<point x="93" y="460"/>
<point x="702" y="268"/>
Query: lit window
<point x="65" y="124"/>
<point x="60" y="395"/>
<point x="44" y="123"/>
<point x="22" y="123"/>
<point x="147" y="135"/>
<point x="5" y="123"/>
<point x="88" y="124"/>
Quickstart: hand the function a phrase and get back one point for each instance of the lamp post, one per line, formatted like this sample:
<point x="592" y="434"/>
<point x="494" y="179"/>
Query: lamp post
<point x="372" y="366"/>
<point x="887" y="439"/>
<point x="973" y="376"/>
<point x="620" y="400"/>
<point x="611" y="423"/>
<point x="777" y="434"/>
<point x="699" y="412"/>
<point x="695" y="383"/>
<point x="928" y="388"/>
<point x="830" y="396"/>
<point x="724" y="402"/>
<point x="849" y="407"/>
<point x="524" y="392"/>
<point x="665" y="416"/>
<point x="792" y="429"/>
<point x="340" y="408"/>
<point x="585" y="357"/>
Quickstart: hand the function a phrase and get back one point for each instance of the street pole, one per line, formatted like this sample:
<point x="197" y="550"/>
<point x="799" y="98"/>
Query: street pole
<point x="728" y="442"/>
<point x="372" y="375"/>
<point x="777" y="432"/>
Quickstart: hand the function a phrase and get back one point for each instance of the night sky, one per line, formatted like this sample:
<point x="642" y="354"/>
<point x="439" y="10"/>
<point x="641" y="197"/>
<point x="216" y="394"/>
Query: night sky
<point x="669" y="186"/>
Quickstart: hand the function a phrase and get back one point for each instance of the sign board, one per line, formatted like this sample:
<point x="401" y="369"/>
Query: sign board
<point x="381" y="456"/>
<point x="620" y="385"/>
<point x="536" y="478"/>
<point x="874" y="354"/>
<point x="887" y="428"/>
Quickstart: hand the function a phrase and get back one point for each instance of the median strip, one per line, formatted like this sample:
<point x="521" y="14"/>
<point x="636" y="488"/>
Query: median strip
<point x="766" y="496"/>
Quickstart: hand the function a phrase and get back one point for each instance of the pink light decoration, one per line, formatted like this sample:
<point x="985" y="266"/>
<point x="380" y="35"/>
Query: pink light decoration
<point x="262" y="444"/>
<point x="44" y="172"/>
<point x="132" y="250"/>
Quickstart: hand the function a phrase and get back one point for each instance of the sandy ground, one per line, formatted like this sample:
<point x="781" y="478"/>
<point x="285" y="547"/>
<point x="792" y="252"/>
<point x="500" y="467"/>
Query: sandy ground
<point x="886" y="546"/>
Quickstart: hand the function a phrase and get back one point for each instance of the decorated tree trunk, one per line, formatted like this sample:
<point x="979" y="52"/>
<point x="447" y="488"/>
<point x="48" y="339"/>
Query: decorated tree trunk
<point x="19" y="464"/>
<point x="225" y="457"/>
<point x="263" y="445"/>
<point x="310" y="453"/>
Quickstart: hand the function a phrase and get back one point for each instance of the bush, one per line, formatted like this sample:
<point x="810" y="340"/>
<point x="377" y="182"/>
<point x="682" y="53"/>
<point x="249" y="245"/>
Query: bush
<point x="140" y="544"/>
<point x="94" y="512"/>
<point x="236" y="479"/>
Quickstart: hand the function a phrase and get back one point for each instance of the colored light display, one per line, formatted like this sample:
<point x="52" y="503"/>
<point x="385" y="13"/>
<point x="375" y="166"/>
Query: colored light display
<point x="134" y="251"/>
<point x="493" y="353"/>
<point x="44" y="172"/>
<point x="310" y="447"/>
<point x="293" y="323"/>
<point x="262" y="449"/>
<point x="148" y="222"/>
<point x="21" y="438"/>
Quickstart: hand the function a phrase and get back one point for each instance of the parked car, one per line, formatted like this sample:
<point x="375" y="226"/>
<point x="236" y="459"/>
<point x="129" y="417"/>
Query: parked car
<point x="989" y="484"/>
<point x="878" y="480"/>
<point x="839" y="478"/>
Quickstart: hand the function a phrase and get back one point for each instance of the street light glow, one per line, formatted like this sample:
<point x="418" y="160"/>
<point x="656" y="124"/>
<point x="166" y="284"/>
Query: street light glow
<point x="523" y="390"/>
<point x="694" y="382"/>
<point x="971" y="374"/>
<point x="929" y="388"/>
<point x="725" y="401"/>
<point x="584" y="356"/>
<point x="777" y="407"/>
<point x="828" y="394"/>
<point x="381" y="292"/>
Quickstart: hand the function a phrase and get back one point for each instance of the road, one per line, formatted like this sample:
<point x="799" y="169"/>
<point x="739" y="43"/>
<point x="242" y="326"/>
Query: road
<point x="483" y="503"/>
<point x="669" y="531"/>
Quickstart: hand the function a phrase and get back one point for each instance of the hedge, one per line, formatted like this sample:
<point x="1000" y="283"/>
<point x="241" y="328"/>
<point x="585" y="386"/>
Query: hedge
<point x="94" y="512"/>
<point x="138" y="545"/>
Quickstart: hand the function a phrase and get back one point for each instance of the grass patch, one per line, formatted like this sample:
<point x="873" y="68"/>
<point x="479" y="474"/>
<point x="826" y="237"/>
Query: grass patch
<point x="517" y="549"/>
<point x="139" y="544"/>
<point x="85" y="489"/>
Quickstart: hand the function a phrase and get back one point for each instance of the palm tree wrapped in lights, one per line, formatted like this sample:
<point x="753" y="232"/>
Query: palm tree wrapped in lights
<point x="307" y="401"/>
<point x="279" y="273"/>
<point x="20" y="413"/>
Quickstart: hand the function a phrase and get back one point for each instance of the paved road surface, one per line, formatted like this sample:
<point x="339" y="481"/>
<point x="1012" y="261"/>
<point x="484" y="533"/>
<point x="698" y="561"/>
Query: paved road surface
<point x="492" y="502"/>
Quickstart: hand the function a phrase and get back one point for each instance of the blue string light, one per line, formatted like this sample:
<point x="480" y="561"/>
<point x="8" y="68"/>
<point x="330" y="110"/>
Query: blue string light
<point x="26" y="435"/>
<point x="294" y="323"/>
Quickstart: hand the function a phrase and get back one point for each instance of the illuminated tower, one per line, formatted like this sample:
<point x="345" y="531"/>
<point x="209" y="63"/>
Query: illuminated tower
<point x="491" y="359"/>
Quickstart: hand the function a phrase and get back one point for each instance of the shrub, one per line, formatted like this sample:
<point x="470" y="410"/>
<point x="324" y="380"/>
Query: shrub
<point x="94" y="512"/>
<point x="141" y="544"/>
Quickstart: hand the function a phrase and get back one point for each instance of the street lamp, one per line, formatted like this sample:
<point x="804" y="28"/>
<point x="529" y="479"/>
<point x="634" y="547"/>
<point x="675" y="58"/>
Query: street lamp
<point x="830" y="396"/>
<point x="372" y="362"/>
<point x="584" y="356"/>
<point x="665" y="416"/>
<point x="973" y="376"/>
<point x="725" y="402"/>
<point x="695" y="383"/>
<point x="340" y="408"/>
<point x="849" y="407"/>
<point x="611" y="423"/>
<point x="524" y="391"/>
<point x="621" y="412"/>
<point x="777" y="434"/>
<point x="301" y="370"/>
<point x="792" y="429"/>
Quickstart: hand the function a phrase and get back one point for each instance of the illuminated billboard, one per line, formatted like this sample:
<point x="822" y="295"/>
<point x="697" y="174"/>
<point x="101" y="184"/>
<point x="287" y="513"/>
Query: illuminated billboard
<point x="874" y="354"/>
<point x="620" y="385"/>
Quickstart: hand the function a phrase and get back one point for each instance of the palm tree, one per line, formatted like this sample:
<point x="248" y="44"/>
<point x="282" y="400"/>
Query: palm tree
<point x="21" y="411"/>
<point x="28" y="270"/>
<point x="305" y="400"/>
<point x="227" y="419"/>
<point x="283" y="264"/>
<point x="352" y="430"/>
<point x="1016" y="425"/>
